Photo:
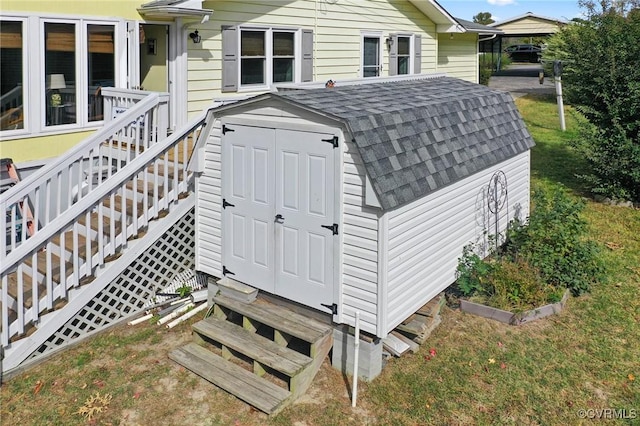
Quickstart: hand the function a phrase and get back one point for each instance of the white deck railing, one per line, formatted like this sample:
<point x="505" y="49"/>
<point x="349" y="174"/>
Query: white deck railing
<point x="46" y="268"/>
<point x="55" y="187"/>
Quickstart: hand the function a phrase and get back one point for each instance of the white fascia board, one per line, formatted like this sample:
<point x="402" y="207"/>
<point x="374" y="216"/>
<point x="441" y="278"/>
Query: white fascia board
<point x="436" y="13"/>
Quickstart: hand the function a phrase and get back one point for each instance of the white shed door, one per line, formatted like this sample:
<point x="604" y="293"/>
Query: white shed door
<point x="278" y="223"/>
<point x="248" y="205"/>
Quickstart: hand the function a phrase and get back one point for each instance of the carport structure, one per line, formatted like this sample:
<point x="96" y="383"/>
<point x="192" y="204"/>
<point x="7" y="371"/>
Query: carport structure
<point x="527" y="25"/>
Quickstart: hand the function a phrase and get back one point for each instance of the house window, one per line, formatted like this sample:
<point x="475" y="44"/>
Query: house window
<point x="61" y="58"/>
<point x="256" y="46"/>
<point x="371" y="64"/>
<point x="11" y="75"/>
<point x="253" y="57"/>
<point x="100" y="67"/>
<point x="256" y="58"/>
<point x="404" y="55"/>
<point x="60" y="73"/>
<point x="71" y="59"/>
<point x="283" y="56"/>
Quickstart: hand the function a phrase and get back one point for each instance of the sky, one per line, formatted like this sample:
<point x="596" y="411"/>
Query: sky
<point x="505" y="9"/>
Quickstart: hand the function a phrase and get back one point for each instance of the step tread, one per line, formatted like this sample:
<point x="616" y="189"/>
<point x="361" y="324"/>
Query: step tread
<point x="250" y="388"/>
<point x="256" y="347"/>
<point x="279" y="318"/>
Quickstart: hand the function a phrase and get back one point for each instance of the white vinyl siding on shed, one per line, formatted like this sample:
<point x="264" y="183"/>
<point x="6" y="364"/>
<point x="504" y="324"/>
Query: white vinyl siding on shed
<point x="458" y="56"/>
<point x="426" y="237"/>
<point x="208" y="220"/>
<point x="337" y="29"/>
<point x="360" y="247"/>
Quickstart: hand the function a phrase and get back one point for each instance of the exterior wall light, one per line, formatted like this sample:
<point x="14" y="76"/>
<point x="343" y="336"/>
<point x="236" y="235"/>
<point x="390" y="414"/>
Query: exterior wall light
<point x="195" y="37"/>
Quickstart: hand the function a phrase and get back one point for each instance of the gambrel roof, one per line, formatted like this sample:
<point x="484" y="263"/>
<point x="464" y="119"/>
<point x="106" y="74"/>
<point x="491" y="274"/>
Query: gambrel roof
<point x="418" y="136"/>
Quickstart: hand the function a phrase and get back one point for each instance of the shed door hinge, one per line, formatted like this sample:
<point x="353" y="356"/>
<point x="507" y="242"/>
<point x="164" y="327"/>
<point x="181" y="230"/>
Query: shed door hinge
<point x="333" y="141"/>
<point x="226" y="272"/>
<point x="333" y="308"/>
<point x="333" y="228"/>
<point x="225" y="129"/>
<point x="226" y="204"/>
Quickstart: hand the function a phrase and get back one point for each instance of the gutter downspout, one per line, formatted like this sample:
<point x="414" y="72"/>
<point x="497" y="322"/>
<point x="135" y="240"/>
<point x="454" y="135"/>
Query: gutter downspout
<point x="488" y="38"/>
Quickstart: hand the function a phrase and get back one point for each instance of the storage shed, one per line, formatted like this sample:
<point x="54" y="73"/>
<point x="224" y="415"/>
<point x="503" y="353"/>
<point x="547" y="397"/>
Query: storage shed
<point x="360" y="197"/>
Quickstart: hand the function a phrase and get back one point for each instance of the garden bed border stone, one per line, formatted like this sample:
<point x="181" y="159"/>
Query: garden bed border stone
<point x="512" y="318"/>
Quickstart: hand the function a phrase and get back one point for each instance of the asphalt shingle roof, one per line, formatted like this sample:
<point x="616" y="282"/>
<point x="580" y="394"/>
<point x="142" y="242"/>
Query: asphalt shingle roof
<point x="417" y="136"/>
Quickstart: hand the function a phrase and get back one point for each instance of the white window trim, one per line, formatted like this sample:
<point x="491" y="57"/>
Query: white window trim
<point x="269" y="84"/>
<point x="412" y="51"/>
<point x="371" y="34"/>
<point x="34" y="59"/>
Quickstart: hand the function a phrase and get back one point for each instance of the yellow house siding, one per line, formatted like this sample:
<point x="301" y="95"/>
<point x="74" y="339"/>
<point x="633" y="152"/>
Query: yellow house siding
<point x="529" y="25"/>
<point x="458" y="56"/>
<point x="337" y="31"/>
<point x="111" y="8"/>
<point x="37" y="148"/>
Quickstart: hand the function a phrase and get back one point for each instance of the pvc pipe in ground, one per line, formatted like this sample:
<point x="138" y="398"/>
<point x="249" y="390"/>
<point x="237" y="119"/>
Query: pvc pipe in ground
<point x="177" y="302"/>
<point x="141" y="319"/>
<point x="187" y="315"/>
<point x="558" y="82"/>
<point x="354" y="395"/>
<point x="175" y="313"/>
<point x="199" y="296"/>
<point x="170" y="309"/>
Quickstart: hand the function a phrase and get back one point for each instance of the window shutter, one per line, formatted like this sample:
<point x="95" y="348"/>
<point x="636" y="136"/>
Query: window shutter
<point x="393" y="55"/>
<point x="417" y="57"/>
<point x="307" y="55"/>
<point x="229" y="58"/>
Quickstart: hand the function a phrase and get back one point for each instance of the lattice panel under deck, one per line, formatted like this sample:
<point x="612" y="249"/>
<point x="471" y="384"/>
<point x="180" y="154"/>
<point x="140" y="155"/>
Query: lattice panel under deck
<point x="171" y="254"/>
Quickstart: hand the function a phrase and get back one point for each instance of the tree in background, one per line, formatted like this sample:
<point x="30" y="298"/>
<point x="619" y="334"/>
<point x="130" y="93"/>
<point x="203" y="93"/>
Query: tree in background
<point x="602" y="80"/>
<point x="599" y="7"/>
<point x="483" y="18"/>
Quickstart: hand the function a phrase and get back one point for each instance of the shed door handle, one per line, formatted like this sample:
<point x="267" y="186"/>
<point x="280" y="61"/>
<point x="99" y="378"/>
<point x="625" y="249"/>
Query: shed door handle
<point x="279" y="218"/>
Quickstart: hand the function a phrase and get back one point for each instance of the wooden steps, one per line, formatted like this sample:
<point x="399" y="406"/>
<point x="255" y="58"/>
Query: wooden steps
<point x="245" y="385"/>
<point x="276" y="317"/>
<point x="274" y="345"/>
<point x="256" y="347"/>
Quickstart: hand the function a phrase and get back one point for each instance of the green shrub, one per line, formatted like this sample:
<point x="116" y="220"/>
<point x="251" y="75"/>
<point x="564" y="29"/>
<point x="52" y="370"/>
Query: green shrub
<point x="539" y="259"/>
<point x="489" y="61"/>
<point x="602" y="80"/>
<point x="554" y="241"/>
<point x="472" y="272"/>
<point x="488" y="64"/>
<point x="485" y="75"/>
